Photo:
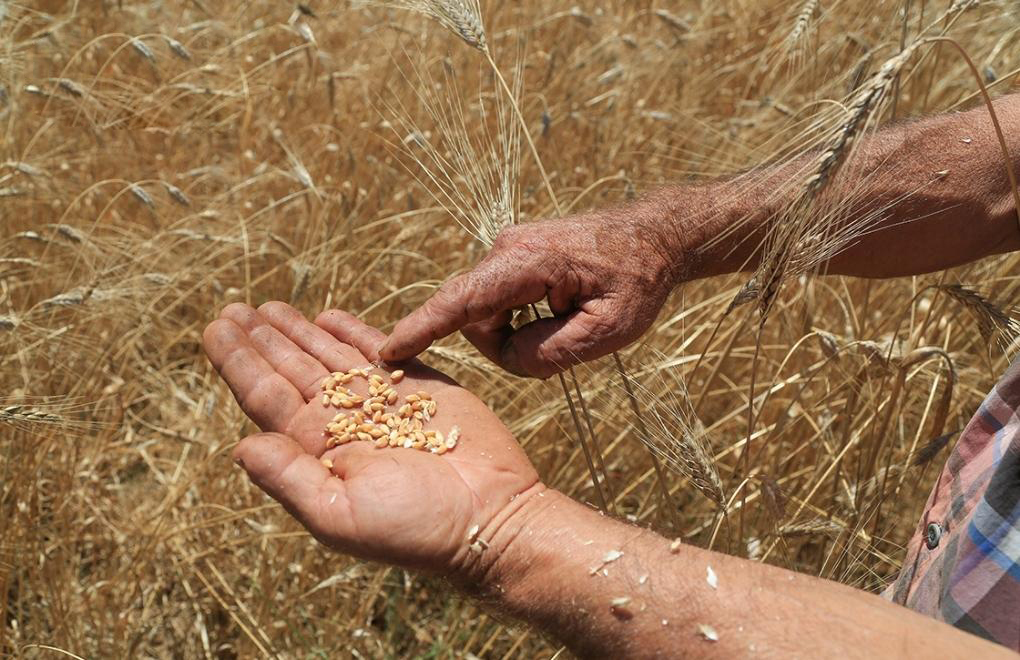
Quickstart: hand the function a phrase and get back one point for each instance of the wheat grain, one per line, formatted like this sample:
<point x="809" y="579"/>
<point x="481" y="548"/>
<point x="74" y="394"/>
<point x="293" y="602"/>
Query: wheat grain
<point x="403" y="429"/>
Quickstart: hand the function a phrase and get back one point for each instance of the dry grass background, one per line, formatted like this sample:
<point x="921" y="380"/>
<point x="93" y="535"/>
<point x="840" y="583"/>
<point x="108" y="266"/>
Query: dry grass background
<point x="159" y="160"/>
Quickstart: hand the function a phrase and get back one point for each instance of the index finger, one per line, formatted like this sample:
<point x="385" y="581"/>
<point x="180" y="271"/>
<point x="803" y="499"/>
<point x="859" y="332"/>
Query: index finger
<point x="499" y="283"/>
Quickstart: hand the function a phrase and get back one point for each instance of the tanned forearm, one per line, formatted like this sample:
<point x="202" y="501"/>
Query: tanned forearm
<point x="937" y="191"/>
<point x="607" y="589"/>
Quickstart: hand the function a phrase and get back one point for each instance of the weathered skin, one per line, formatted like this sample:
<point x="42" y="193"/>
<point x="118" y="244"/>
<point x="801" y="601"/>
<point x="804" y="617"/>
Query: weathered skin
<point x="605" y="275"/>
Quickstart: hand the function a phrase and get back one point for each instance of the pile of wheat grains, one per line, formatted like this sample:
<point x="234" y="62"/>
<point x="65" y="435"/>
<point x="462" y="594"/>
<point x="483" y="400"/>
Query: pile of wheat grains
<point x="376" y="418"/>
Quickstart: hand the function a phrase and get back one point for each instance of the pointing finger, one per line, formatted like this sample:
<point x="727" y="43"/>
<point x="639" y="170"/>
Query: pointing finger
<point x="496" y="285"/>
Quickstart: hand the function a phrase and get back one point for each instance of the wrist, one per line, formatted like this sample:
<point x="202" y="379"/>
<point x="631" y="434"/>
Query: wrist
<point x="507" y="553"/>
<point x="706" y="230"/>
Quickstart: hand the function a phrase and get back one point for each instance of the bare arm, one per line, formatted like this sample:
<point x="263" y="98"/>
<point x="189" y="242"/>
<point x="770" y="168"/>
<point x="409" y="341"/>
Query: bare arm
<point x="606" y="273"/>
<point x="552" y="571"/>
<point x="938" y="187"/>
<point x="480" y="516"/>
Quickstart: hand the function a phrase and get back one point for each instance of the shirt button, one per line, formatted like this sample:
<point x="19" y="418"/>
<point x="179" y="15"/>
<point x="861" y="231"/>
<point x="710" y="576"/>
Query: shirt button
<point x="933" y="535"/>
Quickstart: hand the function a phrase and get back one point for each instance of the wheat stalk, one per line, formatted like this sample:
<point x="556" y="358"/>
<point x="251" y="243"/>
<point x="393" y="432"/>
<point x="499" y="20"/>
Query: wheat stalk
<point x="673" y="433"/>
<point x="991" y="318"/>
<point x="462" y="17"/>
<point x="802" y="231"/>
<point x="472" y="176"/>
<point x="801" y="25"/>
<point x="476" y="182"/>
<point x="811" y="527"/>
<point x="18" y="415"/>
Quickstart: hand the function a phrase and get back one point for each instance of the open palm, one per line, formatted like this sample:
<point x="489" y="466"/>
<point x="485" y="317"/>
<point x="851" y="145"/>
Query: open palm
<point x="401" y="506"/>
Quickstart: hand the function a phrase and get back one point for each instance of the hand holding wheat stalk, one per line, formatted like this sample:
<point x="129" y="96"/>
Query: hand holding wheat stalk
<point x="547" y="346"/>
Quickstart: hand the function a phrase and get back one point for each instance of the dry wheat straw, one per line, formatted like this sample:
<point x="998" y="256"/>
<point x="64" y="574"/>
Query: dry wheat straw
<point x="162" y="472"/>
<point x="803" y="230"/>
<point x="495" y="202"/>
<point x="991" y="318"/>
<point x="462" y="17"/>
<point x="16" y="415"/>
<point x="802" y="22"/>
<point x="811" y="527"/>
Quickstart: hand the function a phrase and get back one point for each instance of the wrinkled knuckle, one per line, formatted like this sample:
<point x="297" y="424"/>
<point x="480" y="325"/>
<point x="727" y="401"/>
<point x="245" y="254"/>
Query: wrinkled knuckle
<point x="450" y="295"/>
<point x="507" y="237"/>
<point x="264" y="334"/>
<point x="539" y="244"/>
<point x="478" y="307"/>
<point x="548" y="356"/>
<point x="563" y="272"/>
<point x="602" y="330"/>
<point x="219" y="330"/>
<point x="264" y="392"/>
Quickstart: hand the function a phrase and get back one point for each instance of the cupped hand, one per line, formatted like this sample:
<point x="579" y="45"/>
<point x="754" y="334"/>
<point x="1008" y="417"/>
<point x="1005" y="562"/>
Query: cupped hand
<point x="395" y="505"/>
<point x="605" y="278"/>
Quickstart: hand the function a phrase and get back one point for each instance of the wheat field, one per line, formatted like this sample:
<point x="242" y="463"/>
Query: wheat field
<point x="159" y="160"/>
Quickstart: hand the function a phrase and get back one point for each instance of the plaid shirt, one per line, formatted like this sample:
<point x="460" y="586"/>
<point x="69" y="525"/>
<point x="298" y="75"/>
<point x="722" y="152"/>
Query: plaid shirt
<point x="963" y="564"/>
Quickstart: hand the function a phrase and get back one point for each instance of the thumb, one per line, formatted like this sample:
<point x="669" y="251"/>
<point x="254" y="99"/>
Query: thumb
<point x="545" y="347"/>
<point x="299" y="481"/>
